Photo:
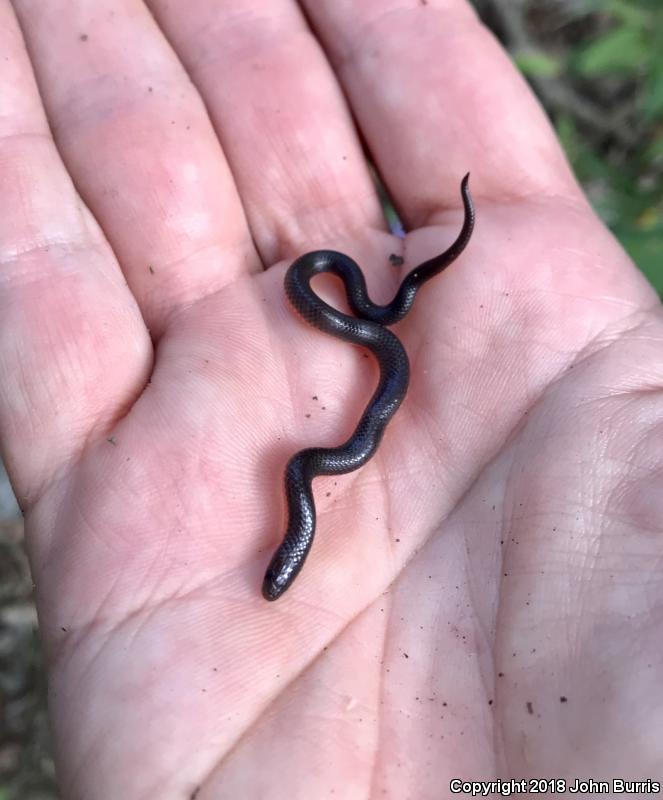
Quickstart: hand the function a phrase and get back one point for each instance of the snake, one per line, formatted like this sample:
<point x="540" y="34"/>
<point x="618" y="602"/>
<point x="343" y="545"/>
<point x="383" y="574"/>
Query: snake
<point x="368" y="329"/>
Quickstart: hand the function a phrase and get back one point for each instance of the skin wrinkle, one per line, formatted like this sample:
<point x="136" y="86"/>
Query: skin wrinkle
<point x="293" y="234"/>
<point x="591" y="349"/>
<point x="490" y="692"/>
<point x="96" y="616"/>
<point x="175" y="310"/>
<point x="383" y="484"/>
<point x="82" y="633"/>
<point x="628" y="483"/>
<point x="35" y="277"/>
<point x="380" y="695"/>
<point x="499" y="732"/>
<point x="39" y="249"/>
<point x="502" y="553"/>
<point x="287" y="244"/>
<point x="262" y="713"/>
<point x="23" y="137"/>
<point x="592" y="570"/>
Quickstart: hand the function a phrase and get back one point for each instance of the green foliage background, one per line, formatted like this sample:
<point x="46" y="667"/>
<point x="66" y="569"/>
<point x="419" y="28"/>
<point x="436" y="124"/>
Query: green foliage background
<point x="597" y="65"/>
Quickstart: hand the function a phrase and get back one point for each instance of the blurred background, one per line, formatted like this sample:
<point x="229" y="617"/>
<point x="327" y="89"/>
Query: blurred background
<point x="597" y="66"/>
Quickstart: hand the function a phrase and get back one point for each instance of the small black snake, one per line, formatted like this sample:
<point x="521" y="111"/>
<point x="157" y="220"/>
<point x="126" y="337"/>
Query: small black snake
<point x="367" y="329"/>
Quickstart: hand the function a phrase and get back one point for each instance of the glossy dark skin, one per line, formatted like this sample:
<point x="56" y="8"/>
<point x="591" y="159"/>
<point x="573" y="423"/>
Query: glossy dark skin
<point x="367" y="329"/>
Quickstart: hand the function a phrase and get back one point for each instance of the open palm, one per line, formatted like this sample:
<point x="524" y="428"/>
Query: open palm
<point x="484" y="598"/>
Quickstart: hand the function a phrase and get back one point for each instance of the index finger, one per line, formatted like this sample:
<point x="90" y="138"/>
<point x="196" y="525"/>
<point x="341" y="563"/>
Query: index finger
<point x="74" y="350"/>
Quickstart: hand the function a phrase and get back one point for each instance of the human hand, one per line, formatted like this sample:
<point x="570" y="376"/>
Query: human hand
<point x="483" y="598"/>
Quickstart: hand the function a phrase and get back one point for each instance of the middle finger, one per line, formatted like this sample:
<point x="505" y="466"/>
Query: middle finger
<point x="281" y="117"/>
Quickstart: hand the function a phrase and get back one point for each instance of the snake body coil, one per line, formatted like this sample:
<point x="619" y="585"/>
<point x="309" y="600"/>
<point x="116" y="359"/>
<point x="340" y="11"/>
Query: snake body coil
<point x="368" y="329"/>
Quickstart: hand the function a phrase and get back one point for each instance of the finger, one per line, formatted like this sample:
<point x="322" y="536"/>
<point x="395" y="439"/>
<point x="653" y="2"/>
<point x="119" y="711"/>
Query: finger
<point x="138" y="142"/>
<point x="73" y="348"/>
<point x="281" y="118"/>
<point x="435" y="97"/>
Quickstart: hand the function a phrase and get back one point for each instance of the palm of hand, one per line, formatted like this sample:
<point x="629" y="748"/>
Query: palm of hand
<point x="482" y="597"/>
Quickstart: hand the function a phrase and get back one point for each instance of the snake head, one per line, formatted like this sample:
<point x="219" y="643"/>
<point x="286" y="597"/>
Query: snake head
<point x="280" y="574"/>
